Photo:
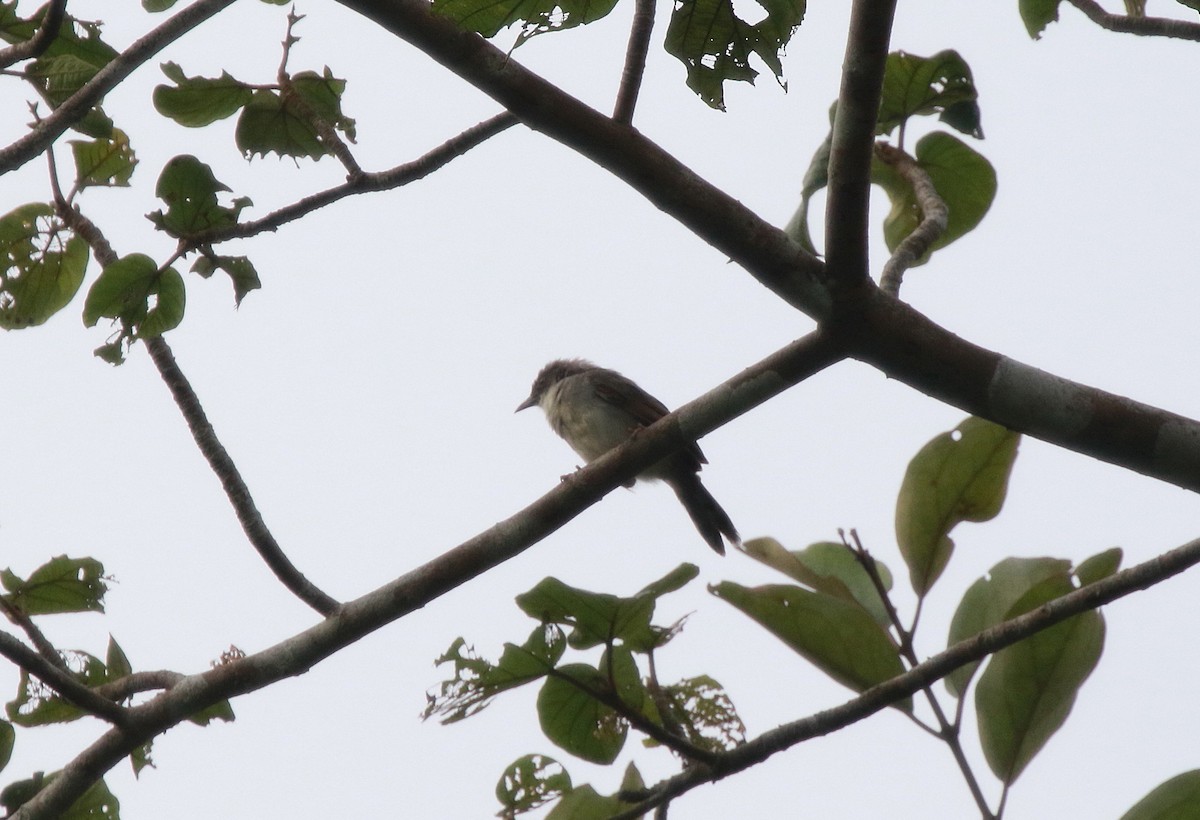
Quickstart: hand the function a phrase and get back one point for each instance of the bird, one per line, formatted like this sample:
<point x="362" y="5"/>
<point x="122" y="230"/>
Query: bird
<point x="596" y="409"/>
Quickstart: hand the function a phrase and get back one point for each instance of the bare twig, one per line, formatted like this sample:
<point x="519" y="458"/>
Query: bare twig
<point x="136" y="682"/>
<point x="877" y="698"/>
<point x="934" y="217"/>
<point x="948" y="732"/>
<point x="846" y="211"/>
<point x="365" y="183"/>
<point x="231" y="480"/>
<point x="61" y="681"/>
<point x="36" y="45"/>
<point x="635" y="61"/>
<point x="1145" y="26"/>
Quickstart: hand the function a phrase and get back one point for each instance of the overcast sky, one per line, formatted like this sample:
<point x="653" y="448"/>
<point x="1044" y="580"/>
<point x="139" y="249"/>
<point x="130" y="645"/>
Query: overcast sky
<point x="367" y="391"/>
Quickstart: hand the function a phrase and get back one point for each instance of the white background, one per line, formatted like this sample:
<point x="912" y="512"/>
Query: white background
<point x="366" y="392"/>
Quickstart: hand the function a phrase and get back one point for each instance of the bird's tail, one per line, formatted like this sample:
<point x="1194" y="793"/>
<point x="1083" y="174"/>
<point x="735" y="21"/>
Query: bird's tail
<point x="712" y="521"/>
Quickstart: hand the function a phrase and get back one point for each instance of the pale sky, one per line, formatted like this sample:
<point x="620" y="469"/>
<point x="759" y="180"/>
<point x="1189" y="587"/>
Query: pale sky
<point x="366" y="393"/>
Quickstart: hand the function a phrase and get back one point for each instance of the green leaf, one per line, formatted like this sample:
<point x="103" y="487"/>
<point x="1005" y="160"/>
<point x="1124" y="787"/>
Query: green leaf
<point x="963" y="178"/>
<point x="941" y="84"/>
<point x="838" y="637"/>
<point x="1099" y="566"/>
<point x="535" y="16"/>
<point x="826" y="567"/>
<point x="1027" y="690"/>
<point x="62" y="584"/>
<point x="704" y="711"/>
<point x="140" y="758"/>
<point x="989" y="600"/>
<point x="154" y="6"/>
<point x="1037" y="14"/>
<point x="599" y="618"/>
<point x="583" y="803"/>
<point x="221" y="710"/>
<point x="147" y="301"/>
<point x="8" y="739"/>
<point x="815" y="178"/>
<point x="476" y="681"/>
<point x="1174" y="799"/>
<point x="283" y="123"/>
<point x="104" y="162"/>
<point x="199" y="101"/>
<point x="958" y="476"/>
<point x="41" y="266"/>
<point x="115" y="660"/>
<point x="715" y="45"/>
<point x="190" y="189"/>
<point x="240" y="269"/>
<point x="95" y="803"/>
<point x="531" y="781"/>
<point x="574" y="720"/>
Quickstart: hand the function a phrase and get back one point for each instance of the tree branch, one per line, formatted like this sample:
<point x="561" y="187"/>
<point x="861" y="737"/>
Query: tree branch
<point x="1145" y="26"/>
<point x="877" y="698"/>
<point x="853" y="136"/>
<point x="418" y="587"/>
<point x="231" y="480"/>
<point x="78" y="104"/>
<point x="36" y="45"/>
<point x="365" y="183"/>
<point x="635" y="61"/>
<point x="61" y="681"/>
<point x="715" y="216"/>
<point x="934" y="217"/>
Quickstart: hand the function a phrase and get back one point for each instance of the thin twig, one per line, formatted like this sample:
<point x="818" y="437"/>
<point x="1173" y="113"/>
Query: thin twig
<point x="365" y="183"/>
<point x="36" y="45"/>
<point x="935" y="216"/>
<point x="1144" y="26"/>
<point x="948" y="731"/>
<point x="61" y="681"/>
<point x="846" y="211"/>
<point x="136" y="682"/>
<point x="40" y="642"/>
<point x="635" y="61"/>
<point x="78" y="104"/>
<point x="231" y="480"/>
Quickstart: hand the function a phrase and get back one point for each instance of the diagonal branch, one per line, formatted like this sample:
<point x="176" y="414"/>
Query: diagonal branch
<point x="1145" y="26"/>
<point x="718" y="218"/>
<point x="61" y="681"/>
<point x="78" y="104"/>
<point x="878" y="698"/>
<point x="852" y="139"/>
<point x="231" y="480"/>
<point x="424" y="584"/>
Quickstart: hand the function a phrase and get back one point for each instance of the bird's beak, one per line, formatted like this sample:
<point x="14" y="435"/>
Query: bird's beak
<point x="525" y="405"/>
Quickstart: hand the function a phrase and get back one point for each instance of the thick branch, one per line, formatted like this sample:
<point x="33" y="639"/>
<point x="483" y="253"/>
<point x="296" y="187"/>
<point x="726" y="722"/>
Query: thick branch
<point x="715" y="216"/>
<point x="1146" y="26"/>
<point x="74" y="107"/>
<point x="906" y="345"/>
<point x="852" y="140"/>
<point x="231" y="480"/>
<point x="417" y="588"/>
<point x="39" y="42"/>
<point x="935" y="668"/>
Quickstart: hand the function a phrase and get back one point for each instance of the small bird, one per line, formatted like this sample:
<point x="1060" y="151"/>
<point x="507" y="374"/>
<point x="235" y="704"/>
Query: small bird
<point x="595" y="409"/>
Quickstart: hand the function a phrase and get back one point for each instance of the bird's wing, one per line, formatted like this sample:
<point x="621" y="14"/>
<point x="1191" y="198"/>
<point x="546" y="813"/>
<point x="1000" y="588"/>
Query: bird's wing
<point x="645" y="410"/>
